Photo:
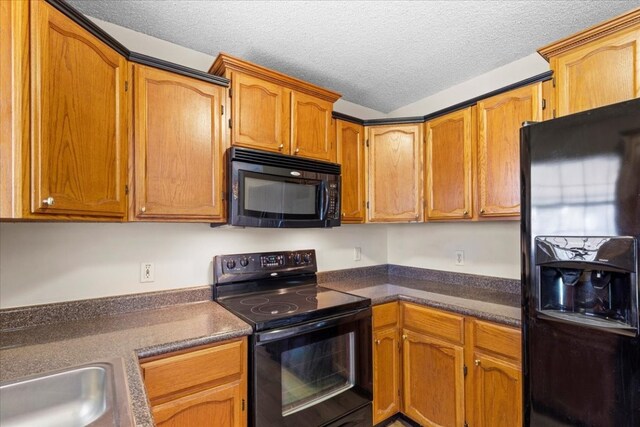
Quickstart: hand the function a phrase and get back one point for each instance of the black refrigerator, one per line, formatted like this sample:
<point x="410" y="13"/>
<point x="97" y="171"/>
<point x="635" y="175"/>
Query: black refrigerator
<point x="580" y="179"/>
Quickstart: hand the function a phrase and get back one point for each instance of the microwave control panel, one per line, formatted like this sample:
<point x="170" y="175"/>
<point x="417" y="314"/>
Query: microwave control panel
<point x="333" y="208"/>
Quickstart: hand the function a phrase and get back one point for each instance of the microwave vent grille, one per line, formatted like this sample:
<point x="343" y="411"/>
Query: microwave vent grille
<point x="281" y="160"/>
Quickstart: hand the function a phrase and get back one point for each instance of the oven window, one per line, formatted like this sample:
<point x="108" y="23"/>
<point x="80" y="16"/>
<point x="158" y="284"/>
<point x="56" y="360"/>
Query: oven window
<point x="270" y="196"/>
<point x="316" y="372"/>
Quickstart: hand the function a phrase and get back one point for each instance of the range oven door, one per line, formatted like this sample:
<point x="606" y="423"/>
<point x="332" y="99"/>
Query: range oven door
<point x="312" y="374"/>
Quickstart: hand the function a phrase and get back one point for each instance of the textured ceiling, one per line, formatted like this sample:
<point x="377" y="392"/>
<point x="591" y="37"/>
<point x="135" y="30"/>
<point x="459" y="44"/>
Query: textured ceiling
<point x="379" y="54"/>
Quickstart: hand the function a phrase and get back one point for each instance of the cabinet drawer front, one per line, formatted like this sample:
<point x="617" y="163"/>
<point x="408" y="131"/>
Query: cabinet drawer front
<point x="385" y="315"/>
<point x="434" y="322"/>
<point x="175" y="373"/>
<point x="497" y="339"/>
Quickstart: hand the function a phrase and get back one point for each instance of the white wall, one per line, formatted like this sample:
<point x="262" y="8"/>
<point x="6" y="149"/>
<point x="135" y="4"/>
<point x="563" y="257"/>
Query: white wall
<point x="49" y="262"/>
<point x="490" y="248"/>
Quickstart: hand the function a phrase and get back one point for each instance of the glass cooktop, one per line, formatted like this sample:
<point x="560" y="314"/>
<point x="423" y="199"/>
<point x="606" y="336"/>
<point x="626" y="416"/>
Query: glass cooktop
<point x="289" y="306"/>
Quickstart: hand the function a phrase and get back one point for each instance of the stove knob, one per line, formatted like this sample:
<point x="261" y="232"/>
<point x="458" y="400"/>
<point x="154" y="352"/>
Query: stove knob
<point x="307" y="257"/>
<point x="231" y="264"/>
<point x="244" y="261"/>
<point x="297" y="258"/>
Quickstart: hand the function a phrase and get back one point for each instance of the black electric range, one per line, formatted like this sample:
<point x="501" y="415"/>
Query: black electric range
<point x="310" y="359"/>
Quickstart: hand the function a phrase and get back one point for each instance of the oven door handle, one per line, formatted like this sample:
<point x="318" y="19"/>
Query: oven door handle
<point x="285" y="333"/>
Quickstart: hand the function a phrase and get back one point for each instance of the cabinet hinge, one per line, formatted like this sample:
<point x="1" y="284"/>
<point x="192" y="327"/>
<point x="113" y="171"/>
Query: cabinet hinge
<point x="464" y="370"/>
<point x="126" y="189"/>
<point x="243" y="404"/>
<point x="367" y="205"/>
<point x="554" y="114"/>
<point x="126" y="86"/>
<point x="230" y="92"/>
<point x="465" y="424"/>
<point x="222" y="110"/>
<point x="366" y="142"/>
<point x="544" y="104"/>
<point x="553" y="81"/>
<point x="230" y="125"/>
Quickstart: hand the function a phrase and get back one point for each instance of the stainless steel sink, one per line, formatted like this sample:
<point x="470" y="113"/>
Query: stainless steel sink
<point x="88" y="395"/>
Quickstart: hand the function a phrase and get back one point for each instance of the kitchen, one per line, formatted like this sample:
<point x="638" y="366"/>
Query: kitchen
<point x="81" y="261"/>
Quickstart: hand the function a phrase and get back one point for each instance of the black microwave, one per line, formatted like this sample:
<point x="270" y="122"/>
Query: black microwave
<point x="278" y="191"/>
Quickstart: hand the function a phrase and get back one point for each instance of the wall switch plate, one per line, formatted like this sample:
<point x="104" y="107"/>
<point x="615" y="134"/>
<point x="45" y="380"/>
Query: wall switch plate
<point x="459" y="257"/>
<point x="147" y="273"/>
<point x="357" y="253"/>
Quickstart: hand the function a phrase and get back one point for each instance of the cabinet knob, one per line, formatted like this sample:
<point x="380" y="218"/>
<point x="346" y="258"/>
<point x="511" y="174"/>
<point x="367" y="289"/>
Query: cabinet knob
<point x="404" y="336"/>
<point x="465" y="213"/>
<point x="477" y="362"/>
<point x="377" y="342"/>
<point x="342" y="214"/>
<point x="49" y="201"/>
<point x="482" y="211"/>
<point x="280" y="147"/>
<point x="297" y="150"/>
<point x="143" y="209"/>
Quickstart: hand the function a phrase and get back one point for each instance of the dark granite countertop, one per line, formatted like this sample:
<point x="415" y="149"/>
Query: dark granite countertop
<point x="131" y="335"/>
<point x="482" y="302"/>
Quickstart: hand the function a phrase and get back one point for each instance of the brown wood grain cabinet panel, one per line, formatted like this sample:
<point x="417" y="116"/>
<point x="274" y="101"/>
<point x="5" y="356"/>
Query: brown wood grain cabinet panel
<point x="502" y="340"/>
<point x="499" y="121"/>
<point x="448" y="166"/>
<point x="311" y="128"/>
<point x="599" y="73"/>
<point x="497" y="394"/>
<point x="395" y="182"/>
<point x="220" y="406"/>
<point x="260" y="114"/>
<point x="439" y="323"/>
<point x="78" y="119"/>
<point x="386" y="373"/>
<point x="433" y="380"/>
<point x="178" y="147"/>
<point x="351" y="155"/>
<point x="385" y="315"/>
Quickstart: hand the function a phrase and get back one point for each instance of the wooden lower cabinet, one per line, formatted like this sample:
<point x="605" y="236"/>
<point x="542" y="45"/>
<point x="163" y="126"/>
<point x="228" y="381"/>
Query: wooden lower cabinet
<point x="201" y="387"/>
<point x="454" y="370"/>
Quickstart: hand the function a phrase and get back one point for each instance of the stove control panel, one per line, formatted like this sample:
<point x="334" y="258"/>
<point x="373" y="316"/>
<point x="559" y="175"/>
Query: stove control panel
<point x="239" y="267"/>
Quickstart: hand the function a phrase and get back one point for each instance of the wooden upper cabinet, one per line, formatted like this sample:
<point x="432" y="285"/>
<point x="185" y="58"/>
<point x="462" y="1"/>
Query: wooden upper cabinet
<point x="448" y="166"/>
<point x="395" y="184"/>
<point x="350" y="141"/>
<point x="78" y="119"/>
<point x="598" y="66"/>
<point x="260" y="111"/>
<point x="275" y="112"/>
<point x="311" y="134"/>
<point x="499" y="121"/>
<point x="178" y="147"/>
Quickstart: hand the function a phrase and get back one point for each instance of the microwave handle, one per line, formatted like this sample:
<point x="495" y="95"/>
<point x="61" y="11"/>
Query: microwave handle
<point x="325" y="200"/>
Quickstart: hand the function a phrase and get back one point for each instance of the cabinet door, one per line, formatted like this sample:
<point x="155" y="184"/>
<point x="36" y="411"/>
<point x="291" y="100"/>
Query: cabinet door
<point x="395" y="184"/>
<point x="497" y="394"/>
<point x="221" y="406"/>
<point x="449" y="145"/>
<point x="350" y="138"/>
<point x="599" y="73"/>
<point x="499" y="122"/>
<point x="178" y="149"/>
<point x="386" y="374"/>
<point x="260" y="114"/>
<point x="433" y="380"/>
<point x="311" y="127"/>
<point x="78" y="121"/>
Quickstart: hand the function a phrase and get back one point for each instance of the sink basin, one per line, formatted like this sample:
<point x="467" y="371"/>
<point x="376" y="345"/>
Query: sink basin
<point x="88" y="395"/>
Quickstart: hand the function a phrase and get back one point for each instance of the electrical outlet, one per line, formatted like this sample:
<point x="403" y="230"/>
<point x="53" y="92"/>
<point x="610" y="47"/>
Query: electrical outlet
<point x="357" y="253"/>
<point x="147" y="272"/>
<point x="459" y="257"/>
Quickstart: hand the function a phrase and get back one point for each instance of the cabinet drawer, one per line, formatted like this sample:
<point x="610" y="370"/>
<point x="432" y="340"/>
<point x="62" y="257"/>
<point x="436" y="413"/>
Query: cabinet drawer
<point x="497" y="339"/>
<point x="172" y="374"/>
<point x="434" y="322"/>
<point x="385" y="315"/>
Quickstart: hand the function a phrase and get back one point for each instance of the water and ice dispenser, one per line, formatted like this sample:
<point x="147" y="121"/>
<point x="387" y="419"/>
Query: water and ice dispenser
<point x="590" y="281"/>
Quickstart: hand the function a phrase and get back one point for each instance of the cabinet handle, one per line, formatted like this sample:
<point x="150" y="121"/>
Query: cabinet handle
<point x="404" y="336"/>
<point x="143" y="209"/>
<point x="477" y="362"/>
<point x="377" y="342"/>
<point x="280" y="147"/>
<point x="297" y="150"/>
<point x="49" y="201"/>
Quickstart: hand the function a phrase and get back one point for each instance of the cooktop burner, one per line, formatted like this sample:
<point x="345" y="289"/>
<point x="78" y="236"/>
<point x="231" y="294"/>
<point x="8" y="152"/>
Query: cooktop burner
<point x="277" y="289"/>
